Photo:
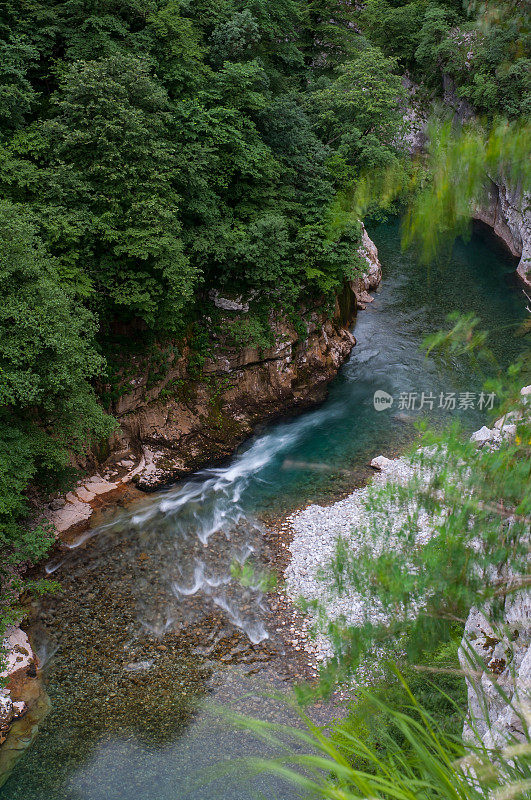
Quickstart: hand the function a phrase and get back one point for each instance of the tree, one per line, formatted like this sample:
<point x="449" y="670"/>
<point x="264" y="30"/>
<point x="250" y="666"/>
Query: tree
<point x="47" y="405"/>
<point x="110" y="208"/>
<point x="395" y="28"/>
<point x="359" y="112"/>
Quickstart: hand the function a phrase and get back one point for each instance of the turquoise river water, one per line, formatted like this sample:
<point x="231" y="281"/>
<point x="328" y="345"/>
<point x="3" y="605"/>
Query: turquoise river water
<point x="151" y="632"/>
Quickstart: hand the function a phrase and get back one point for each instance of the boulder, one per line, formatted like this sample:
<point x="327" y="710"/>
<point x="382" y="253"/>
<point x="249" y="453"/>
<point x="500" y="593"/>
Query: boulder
<point x="381" y="463"/>
<point x="6" y="712"/>
<point x="482" y="436"/>
<point x="497" y="658"/>
<point x="19" y="656"/>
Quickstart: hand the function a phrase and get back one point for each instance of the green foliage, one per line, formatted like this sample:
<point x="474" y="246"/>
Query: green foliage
<point x="459" y="163"/>
<point x="433" y="545"/>
<point x="47" y="406"/>
<point x="440" y="196"/>
<point x="485" y="52"/>
<point x="248" y="576"/>
<point x="359" y="112"/>
<point x="423" y="589"/>
<point x="168" y="145"/>
<point x="148" y="153"/>
<point x="395" y="28"/>
<point x="437" y="684"/>
<point x="489" y="59"/>
<point x="252" y="330"/>
<point x="432" y="766"/>
<point x="109" y="190"/>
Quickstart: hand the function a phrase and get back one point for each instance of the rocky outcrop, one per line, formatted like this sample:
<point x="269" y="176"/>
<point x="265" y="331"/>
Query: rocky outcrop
<point x="240" y="387"/>
<point x="414" y="134"/>
<point x="496" y="656"/>
<point x="178" y="423"/>
<point x="497" y="661"/>
<point x="179" y="430"/>
<point x="369" y="279"/>
<point x="23" y="701"/>
<point x="508" y="212"/>
<point x="19" y="670"/>
<point x="506" y="209"/>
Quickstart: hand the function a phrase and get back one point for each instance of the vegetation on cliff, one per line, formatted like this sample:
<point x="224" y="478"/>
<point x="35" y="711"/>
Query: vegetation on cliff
<point x="149" y="153"/>
<point x="152" y="152"/>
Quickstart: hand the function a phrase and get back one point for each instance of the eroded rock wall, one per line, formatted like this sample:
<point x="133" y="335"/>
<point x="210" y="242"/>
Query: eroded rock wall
<point x="178" y="430"/>
<point x="507" y="210"/>
<point x="497" y="660"/>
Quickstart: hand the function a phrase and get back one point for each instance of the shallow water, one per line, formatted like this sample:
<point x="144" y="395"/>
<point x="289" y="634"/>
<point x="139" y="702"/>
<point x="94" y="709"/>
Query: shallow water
<point x="151" y="622"/>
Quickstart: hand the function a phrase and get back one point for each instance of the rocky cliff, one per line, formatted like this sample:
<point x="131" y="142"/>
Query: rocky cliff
<point x="507" y="210"/>
<point x="497" y="661"/>
<point x="179" y="422"/>
<point x="182" y="422"/>
<point x="496" y="655"/>
<point x="175" y="431"/>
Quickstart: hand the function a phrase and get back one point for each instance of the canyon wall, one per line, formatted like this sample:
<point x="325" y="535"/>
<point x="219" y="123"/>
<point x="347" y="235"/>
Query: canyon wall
<point x="507" y="210"/>
<point x="179" y="422"/>
<point x="183" y="423"/>
<point x="504" y="208"/>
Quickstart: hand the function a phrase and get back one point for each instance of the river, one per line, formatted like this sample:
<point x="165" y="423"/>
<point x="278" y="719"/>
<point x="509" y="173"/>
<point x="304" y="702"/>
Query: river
<point x="151" y="628"/>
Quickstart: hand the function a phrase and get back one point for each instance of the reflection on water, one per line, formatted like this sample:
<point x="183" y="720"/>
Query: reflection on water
<point x="150" y="619"/>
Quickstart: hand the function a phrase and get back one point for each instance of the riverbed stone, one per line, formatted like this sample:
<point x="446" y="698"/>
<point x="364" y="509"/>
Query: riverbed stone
<point x="482" y="436"/>
<point x="6" y="712"/>
<point x="98" y="485"/>
<point x="73" y="513"/>
<point x="19" y="709"/>
<point x="381" y="463"/>
<point x="18" y="653"/>
<point x="85" y="495"/>
<point x="57" y="503"/>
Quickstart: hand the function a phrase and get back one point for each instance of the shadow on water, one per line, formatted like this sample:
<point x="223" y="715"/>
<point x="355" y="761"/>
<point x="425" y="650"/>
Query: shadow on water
<point x="150" y="623"/>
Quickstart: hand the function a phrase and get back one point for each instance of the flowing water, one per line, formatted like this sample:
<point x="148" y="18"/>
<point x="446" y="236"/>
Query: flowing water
<point x="151" y="620"/>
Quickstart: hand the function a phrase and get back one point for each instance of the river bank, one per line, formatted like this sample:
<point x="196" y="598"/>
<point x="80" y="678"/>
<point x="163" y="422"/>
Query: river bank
<point x="160" y="440"/>
<point x="150" y="612"/>
<point x="503" y="649"/>
<point x="163" y="437"/>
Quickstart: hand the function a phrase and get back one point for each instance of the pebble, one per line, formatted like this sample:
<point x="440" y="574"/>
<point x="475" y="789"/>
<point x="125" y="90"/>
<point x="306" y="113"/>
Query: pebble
<point x="315" y="533"/>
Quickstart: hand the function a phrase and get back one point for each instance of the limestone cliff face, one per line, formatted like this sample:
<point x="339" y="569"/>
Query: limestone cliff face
<point x="176" y="424"/>
<point x="176" y="430"/>
<point x="499" y="689"/>
<point x="372" y="275"/>
<point x="496" y="655"/>
<point x="507" y="210"/>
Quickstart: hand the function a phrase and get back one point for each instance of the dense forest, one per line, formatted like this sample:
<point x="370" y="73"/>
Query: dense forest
<point x="153" y="151"/>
